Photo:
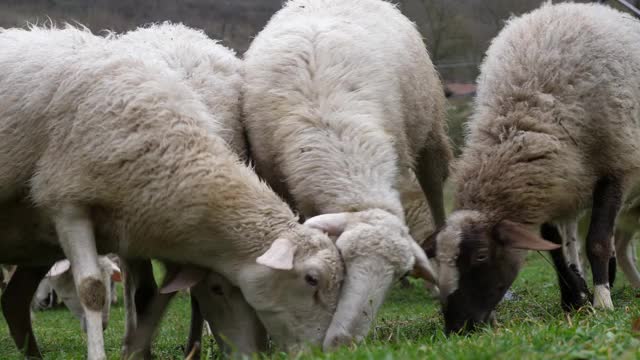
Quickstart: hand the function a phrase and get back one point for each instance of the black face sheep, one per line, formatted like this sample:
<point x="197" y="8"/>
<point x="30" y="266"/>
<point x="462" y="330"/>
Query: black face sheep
<point x="555" y="130"/>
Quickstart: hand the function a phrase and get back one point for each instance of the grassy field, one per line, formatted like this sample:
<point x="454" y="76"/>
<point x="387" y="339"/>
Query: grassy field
<point x="531" y="326"/>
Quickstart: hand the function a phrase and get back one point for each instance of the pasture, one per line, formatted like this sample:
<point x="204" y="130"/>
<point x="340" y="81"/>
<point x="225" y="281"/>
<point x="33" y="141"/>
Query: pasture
<point x="531" y="326"/>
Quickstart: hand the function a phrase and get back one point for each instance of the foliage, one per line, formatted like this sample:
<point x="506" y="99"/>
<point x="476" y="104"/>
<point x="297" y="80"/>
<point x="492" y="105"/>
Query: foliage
<point x="458" y="112"/>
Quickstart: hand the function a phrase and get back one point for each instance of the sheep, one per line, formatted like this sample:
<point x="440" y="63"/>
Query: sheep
<point x="35" y="257"/>
<point x="20" y="290"/>
<point x="46" y="295"/>
<point x="235" y="324"/>
<point x="123" y="148"/>
<point x="555" y="120"/>
<point x="181" y="48"/>
<point x="341" y="103"/>
<point x="59" y="281"/>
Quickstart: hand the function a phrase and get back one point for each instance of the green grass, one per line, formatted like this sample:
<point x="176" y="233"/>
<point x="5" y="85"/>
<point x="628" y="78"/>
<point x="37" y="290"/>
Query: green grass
<point x="409" y="326"/>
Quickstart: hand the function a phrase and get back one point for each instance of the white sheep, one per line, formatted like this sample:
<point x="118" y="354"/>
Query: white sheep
<point x="116" y="147"/>
<point x="182" y="49"/>
<point x="235" y="324"/>
<point x="28" y="239"/>
<point x="341" y="103"/>
<point x="555" y="129"/>
<point x="59" y="279"/>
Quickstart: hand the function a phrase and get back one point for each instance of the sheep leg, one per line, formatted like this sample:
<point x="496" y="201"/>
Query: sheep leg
<point x="16" y="307"/>
<point x="151" y="317"/>
<point x="573" y="289"/>
<point x="607" y="201"/>
<point x="148" y="323"/>
<point x="431" y="172"/>
<point x="130" y="318"/>
<point x="624" y="247"/>
<point x="569" y="231"/>
<point x="195" y="330"/>
<point x="75" y="233"/>
<point x="140" y="288"/>
<point x="613" y="263"/>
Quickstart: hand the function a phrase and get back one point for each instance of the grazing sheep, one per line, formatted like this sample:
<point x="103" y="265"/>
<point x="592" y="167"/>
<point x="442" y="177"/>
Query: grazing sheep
<point x="555" y="120"/>
<point x="182" y="49"/>
<point x="195" y="57"/>
<point x="342" y="103"/>
<point x="27" y="238"/>
<point x="235" y="324"/>
<point x="123" y="150"/>
<point x="60" y="280"/>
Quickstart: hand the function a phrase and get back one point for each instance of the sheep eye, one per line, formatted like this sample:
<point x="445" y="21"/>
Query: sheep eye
<point x="311" y="280"/>
<point x="217" y="289"/>
<point x="481" y="256"/>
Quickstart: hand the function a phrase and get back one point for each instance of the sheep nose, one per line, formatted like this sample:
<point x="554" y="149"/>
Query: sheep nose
<point x="337" y="340"/>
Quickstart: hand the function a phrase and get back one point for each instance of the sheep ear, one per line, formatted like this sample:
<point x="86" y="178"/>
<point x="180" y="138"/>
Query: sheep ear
<point x="183" y="278"/>
<point x="279" y="256"/>
<point x="113" y="268"/>
<point x="59" y="268"/>
<point x="332" y="224"/>
<point x="422" y="266"/>
<point x="517" y="236"/>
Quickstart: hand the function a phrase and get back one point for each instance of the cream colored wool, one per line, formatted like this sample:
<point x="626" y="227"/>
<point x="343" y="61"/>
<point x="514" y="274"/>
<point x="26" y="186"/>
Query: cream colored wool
<point x="130" y="139"/>
<point x="340" y="101"/>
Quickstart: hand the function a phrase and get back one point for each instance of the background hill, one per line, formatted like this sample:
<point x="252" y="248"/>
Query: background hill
<point x="457" y="32"/>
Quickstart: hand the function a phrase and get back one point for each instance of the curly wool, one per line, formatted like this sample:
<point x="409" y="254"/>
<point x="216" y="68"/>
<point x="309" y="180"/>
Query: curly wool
<point x="325" y="131"/>
<point x="128" y="136"/>
<point x="558" y="107"/>
<point x="195" y="56"/>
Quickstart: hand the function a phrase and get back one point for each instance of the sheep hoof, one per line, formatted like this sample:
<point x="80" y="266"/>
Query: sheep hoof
<point x="574" y="291"/>
<point x="602" y="298"/>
